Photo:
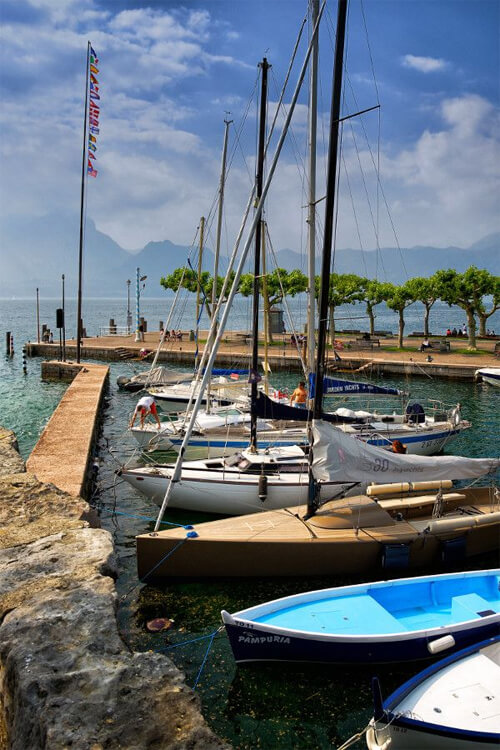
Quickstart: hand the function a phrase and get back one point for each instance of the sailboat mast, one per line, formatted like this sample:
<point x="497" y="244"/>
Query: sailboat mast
<point x="328" y="234"/>
<point x="215" y="306"/>
<point x="258" y="238"/>
<point x="311" y="218"/>
<point x="198" y="287"/>
<point x="82" y="213"/>
<point x="330" y="206"/>
<point x="219" y="214"/>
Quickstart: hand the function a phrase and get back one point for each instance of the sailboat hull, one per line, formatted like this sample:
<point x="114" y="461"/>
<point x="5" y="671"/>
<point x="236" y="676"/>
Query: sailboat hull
<point x="419" y="442"/>
<point x="226" y="493"/>
<point x="345" y="537"/>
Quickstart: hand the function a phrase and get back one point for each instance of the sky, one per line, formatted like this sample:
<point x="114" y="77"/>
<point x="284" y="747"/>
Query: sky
<point x="170" y="73"/>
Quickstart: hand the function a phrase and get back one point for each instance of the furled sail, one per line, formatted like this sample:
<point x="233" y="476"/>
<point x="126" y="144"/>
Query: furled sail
<point x="351" y="387"/>
<point x="338" y="456"/>
<point x="266" y="408"/>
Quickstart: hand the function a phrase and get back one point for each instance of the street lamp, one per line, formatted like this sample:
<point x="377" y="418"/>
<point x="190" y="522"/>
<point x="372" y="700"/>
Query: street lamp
<point x="129" y="314"/>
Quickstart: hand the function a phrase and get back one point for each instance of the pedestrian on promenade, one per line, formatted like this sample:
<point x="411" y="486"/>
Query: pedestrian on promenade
<point x="146" y="405"/>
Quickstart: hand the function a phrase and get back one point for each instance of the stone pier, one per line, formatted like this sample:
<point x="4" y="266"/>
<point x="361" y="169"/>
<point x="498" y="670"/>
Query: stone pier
<point x="67" y="679"/>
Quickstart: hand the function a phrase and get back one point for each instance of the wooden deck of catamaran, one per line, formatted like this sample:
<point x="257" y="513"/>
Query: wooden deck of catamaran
<point x="346" y="536"/>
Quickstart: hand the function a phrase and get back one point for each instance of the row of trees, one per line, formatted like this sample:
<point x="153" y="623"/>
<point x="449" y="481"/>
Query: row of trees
<point x="476" y="291"/>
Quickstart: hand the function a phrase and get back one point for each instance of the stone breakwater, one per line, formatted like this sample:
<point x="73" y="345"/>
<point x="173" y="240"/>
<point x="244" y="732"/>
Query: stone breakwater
<point x="67" y="680"/>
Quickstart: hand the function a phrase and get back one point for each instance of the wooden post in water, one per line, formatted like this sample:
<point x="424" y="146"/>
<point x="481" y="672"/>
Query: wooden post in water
<point x="37" y="317"/>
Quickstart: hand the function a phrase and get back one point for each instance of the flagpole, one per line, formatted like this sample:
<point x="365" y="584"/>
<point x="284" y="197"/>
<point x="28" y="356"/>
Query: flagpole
<point x="82" y="209"/>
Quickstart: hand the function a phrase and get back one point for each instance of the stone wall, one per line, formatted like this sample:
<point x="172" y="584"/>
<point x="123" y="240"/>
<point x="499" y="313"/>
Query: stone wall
<point x="67" y="679"/>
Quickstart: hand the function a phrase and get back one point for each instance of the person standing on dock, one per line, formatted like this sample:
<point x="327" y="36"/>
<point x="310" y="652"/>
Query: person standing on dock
<point x="299" y="396"/>
<point x="146" y="405"/>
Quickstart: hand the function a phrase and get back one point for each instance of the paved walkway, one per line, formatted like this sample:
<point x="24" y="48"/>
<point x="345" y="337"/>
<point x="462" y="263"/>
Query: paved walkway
<point x="64" y="450"/>
<point x="232" y="344"/>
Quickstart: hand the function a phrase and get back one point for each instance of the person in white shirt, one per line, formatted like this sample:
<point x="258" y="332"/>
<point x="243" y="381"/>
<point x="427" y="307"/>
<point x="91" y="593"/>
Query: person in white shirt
<point x="146" y="405"/>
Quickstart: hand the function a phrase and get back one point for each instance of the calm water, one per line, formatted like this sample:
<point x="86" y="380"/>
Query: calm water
<point x="253" y="707"/>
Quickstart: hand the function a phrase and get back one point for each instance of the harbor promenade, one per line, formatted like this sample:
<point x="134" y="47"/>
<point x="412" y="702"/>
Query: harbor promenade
<point x="234" y="350"/>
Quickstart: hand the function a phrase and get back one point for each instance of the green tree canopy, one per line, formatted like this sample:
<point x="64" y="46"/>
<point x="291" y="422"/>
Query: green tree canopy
<point x="343" y="289"/>
<point x="278" y="284"/>
<point x="373" y="294"/>
<point x="424" y="290"/>
<point x="398" y="298"/>
<point x="466" y="290"/>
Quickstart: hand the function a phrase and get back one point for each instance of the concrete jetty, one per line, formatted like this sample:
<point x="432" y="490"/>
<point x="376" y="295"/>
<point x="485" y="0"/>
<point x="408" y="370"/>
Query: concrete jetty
<point x="63" y="454"/>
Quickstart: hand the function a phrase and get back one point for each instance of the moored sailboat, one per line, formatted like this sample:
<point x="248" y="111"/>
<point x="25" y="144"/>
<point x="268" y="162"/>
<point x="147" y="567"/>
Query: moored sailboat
<point x="349" y="535"/>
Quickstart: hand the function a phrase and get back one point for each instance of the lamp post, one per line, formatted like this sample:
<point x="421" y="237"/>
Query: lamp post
<point x="129" y="314"/>
<point x="64" y="325"/>
<point x="139" y="335"/>
<point x="37" y="316"/>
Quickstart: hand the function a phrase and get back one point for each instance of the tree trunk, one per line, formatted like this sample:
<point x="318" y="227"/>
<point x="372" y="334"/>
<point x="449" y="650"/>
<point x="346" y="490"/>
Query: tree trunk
<point x="483" y="317"/>
<point x="401" y="328"/>
<point x="369" y="312"/>
<point x="426" y="319"/>
<point x="331" y="325"/>
<point x="471" y="321"/>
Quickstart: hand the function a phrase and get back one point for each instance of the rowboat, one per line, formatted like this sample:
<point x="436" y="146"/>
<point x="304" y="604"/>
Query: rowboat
<point x="452" y="705"/>
<point x="387" y="621"/>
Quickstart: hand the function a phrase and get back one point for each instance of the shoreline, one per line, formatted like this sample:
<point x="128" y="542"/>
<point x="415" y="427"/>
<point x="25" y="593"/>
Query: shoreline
<point x="382" y="359"/>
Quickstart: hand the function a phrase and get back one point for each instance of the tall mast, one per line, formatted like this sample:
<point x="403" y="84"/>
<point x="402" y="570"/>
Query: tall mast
<point x="328" y="233"/>
<point x="222" y="184"/>
<point x="82" y="210"/>
<point x="198" y="287"/>
<point x="258" y="238"/>
<point x="311" y="218"/>
<point x="219" y="214"/>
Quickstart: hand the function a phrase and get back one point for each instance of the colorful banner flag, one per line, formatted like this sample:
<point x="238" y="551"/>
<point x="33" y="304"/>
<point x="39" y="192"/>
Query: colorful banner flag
<point x="93" y="123"/>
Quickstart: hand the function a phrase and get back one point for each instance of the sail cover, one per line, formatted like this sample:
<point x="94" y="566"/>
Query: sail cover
<point x="351" y="387"/>
<point x="341" y="457"/>
<point x="266" y="408"/>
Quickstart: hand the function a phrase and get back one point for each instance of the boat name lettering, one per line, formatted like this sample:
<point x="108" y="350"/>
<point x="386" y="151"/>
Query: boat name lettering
<point x="380" y="464"/>
<point x="253" y="639"/>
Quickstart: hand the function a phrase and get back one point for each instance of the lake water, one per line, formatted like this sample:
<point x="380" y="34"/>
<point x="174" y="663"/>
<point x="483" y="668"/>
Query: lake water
<point x="268" y="706"/>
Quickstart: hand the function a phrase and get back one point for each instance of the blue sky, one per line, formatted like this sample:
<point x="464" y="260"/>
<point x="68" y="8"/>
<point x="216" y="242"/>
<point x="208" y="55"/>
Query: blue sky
<point x="170" y="71"/>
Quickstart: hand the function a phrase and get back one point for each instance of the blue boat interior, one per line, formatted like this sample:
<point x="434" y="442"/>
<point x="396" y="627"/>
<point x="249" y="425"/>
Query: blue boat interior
<point x="418" y="605"/>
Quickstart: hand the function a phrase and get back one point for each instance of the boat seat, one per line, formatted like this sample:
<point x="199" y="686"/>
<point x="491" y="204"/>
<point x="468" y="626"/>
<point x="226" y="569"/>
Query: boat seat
<point x="469" y="606"/>
<point x="414" y="502"/>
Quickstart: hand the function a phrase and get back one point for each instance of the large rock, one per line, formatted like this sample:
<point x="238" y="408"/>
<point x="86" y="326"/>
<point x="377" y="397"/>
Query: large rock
<point x="10" y="460"/>
<point x="67" y="679"/>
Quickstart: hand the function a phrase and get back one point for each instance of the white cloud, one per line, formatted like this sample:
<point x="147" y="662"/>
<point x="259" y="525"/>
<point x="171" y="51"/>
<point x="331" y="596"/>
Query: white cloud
<point x="424" y="64"/>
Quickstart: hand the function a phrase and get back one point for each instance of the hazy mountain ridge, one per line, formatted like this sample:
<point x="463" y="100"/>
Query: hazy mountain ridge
<point x="36" y="254"/>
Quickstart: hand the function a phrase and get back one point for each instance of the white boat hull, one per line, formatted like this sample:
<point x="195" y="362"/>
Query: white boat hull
<point x="420" y="442"/>
<point x="227" y="494"/>
<point x="490" y="375"/>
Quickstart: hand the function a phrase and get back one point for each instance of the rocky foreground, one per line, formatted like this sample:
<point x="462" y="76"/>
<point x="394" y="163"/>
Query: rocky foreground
<point x="67" y="679"/>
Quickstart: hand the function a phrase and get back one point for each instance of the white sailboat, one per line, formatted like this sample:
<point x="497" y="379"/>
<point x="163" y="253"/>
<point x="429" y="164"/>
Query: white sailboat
<point x="351" y="534"/>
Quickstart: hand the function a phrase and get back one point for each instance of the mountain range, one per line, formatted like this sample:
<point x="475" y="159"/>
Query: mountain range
<point x="35" y="254"/>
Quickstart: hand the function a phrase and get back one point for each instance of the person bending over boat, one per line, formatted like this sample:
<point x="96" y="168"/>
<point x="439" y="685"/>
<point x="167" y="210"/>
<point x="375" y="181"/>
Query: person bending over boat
<point x="146" y="405"/>
<point x="398" y="447"/>
<point x="299" y="396"/>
